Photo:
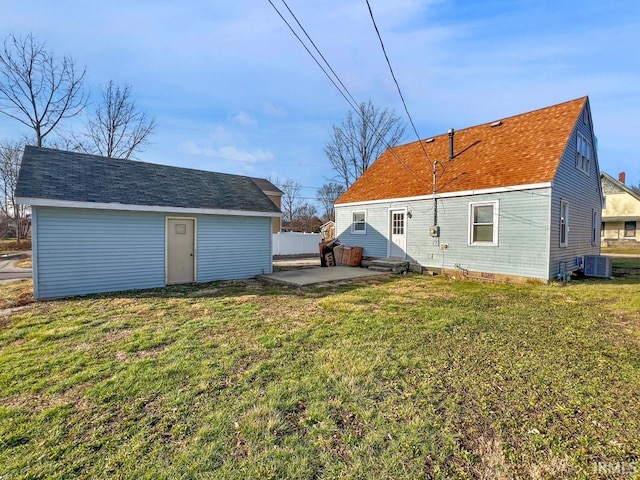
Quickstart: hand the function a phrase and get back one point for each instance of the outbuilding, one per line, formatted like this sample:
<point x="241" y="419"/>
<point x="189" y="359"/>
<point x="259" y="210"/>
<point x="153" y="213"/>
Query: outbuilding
<point x="102" y="224"/>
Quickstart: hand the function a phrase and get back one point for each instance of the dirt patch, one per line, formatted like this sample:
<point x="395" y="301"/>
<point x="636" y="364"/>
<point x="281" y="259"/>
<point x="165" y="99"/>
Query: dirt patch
<point x="5" y="313"/>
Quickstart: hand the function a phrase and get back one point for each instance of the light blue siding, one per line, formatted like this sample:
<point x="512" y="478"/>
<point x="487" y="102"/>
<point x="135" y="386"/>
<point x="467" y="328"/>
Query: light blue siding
<point x="82" y="251"/>
<point x="233" y="247"/>
<point x="523" y="233"/>
<point x="583" y="193"/>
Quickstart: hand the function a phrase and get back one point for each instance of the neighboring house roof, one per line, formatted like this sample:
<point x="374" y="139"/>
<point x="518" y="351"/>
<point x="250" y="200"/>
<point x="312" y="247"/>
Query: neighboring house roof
<point x="55" y="177"/>
<point x="522" y="150"/>
<point x="618" y="186"/>
<point x="267" y="187"/>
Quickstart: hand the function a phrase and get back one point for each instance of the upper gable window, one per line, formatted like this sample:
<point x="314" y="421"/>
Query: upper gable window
<point x="583" y="154"/>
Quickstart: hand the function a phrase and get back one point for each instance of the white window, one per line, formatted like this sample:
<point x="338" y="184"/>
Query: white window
<point x="564" y="223"/>
<point x="359" y="222"/>
<point x="483" y="223"/>
<point x="583" y="154"/>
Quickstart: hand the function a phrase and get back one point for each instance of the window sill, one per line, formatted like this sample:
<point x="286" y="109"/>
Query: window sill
<point x="483" y="244"/>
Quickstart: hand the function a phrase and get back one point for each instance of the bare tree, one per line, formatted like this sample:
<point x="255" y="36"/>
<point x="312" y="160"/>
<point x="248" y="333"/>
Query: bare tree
<point x="360" y="139"/>
<point x="10" y="159"/>
<point x="37" y="89"/>
<point x="327" y="196"/>
<point x="118" y="128"/>
<point x="291" y="201"/>
<point x="306" y="219"/>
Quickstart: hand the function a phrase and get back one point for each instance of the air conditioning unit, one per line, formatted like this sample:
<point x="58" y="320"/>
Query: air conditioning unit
<point x="597" y="266"/>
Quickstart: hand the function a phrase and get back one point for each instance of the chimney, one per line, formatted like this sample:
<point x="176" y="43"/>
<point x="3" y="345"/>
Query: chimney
<point x="451" y="149"/>
<point x="621" y="177"/>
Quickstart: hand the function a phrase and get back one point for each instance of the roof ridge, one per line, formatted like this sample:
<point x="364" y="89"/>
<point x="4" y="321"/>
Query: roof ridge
<point x="445" y="134"/>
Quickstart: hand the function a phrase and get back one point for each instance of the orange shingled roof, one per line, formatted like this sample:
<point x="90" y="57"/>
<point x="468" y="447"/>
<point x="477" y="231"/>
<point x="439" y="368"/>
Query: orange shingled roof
<point x="524" y="149"/>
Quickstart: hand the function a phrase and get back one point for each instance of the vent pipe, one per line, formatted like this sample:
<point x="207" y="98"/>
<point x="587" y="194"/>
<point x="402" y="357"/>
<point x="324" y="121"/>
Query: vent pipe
<point x="622" y="177"/>
<point x="451" y="149"/>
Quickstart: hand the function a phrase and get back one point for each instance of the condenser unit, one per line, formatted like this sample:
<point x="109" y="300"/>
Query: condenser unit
<point x="597" y="266"/>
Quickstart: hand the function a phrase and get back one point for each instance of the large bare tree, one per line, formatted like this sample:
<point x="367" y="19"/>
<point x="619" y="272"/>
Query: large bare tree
<point x="327" y="196"/>
<point x="10" y="211"/>
<point x="360" y="139"/>
<point x="118" y="128"/>
<point x="36" y="88"/>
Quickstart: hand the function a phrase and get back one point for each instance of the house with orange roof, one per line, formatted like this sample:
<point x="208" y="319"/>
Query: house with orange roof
<point x="513" y="199"/>
<point x="620" y="213"/>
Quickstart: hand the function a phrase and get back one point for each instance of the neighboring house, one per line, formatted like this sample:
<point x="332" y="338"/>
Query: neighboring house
<point x="514" y="199"/>
<point x="275" y="195"/>
<point x="101" y="224"/>
<point x="620" y="212"/>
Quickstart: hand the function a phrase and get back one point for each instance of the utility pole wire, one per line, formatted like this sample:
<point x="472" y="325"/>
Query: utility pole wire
<point x="393" y="75"/>
<point x="345" y="94"/>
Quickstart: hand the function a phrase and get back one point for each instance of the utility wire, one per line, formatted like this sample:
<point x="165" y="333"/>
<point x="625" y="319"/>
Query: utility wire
<point x="311" y="54"/>
<point x="345" y="94"/>
<point x="393" y="75"/>
<point x="321" y="55"/>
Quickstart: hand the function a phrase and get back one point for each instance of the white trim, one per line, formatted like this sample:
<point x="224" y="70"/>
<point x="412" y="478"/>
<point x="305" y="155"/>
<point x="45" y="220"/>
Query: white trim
<point x="566" y="224"/>
<point x="496" y="224"/>
<point x="166" y="246"/>
<point x="353" y="230"/>
<point x="390" y="210"/>
<point x="464" y="193"/>
<point x="44" y="202"/>
<point x="34" y="253"/>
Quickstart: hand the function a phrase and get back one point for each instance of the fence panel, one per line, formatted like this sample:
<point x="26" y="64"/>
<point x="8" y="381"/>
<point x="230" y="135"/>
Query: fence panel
<point x="295" y="243"/>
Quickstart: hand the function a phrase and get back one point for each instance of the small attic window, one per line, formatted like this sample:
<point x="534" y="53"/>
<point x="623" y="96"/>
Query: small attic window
<point x="496" y="124"/>
<point x="429" y="140"/>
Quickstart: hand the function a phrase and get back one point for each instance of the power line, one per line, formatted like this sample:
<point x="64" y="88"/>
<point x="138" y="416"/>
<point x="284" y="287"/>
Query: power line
<point x="309" y="52"/>
<point x="345" y="94"/>
<point x="393" y="75"/>
<point x="321" y="55"/>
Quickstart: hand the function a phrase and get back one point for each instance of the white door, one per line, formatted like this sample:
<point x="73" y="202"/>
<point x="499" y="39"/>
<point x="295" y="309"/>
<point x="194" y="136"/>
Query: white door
<point x="397" y="239"/>
<point x="180" y="250"/>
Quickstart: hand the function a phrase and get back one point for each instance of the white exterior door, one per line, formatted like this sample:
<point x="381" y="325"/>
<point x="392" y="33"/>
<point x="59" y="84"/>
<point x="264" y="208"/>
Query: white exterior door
<point x="397" y="230"/>
<point x="180" y="250"/>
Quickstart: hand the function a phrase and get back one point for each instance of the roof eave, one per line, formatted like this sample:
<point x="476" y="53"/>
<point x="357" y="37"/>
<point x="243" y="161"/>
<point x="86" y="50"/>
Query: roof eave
<point x="46" y="202"/>
<point x="464" y="193"/>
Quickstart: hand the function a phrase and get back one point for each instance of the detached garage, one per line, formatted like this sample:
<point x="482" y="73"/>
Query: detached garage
<point x="102" y="224"/>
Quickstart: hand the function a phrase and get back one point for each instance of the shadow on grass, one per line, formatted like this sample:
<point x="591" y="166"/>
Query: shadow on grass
<point x="231" y="289"/>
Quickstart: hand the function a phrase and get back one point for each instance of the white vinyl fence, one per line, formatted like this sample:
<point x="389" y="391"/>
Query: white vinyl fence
<point x="294" y="243"/>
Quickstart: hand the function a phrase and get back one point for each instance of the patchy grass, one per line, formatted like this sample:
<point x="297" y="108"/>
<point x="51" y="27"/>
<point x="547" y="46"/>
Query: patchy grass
<point x="625" y="262"/>
<point x="11" y="245"/>
<point x="25" y="263"/>
<point x="626" y="249"/>
<point x="16" y="294"/>
<point x="417" y="377"/>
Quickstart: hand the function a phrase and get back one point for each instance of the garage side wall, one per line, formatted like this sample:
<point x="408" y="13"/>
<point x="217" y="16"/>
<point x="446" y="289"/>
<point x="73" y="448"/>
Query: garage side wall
<point x="233" y="247"/>
<point x="82" y="251"/>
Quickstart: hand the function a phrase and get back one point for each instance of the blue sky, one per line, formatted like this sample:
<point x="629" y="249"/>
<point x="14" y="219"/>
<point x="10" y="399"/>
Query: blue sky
<point x="233" y="91"/>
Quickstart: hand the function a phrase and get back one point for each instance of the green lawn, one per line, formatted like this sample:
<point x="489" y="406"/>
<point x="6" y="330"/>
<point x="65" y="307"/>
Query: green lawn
<point x="415" y="377"/>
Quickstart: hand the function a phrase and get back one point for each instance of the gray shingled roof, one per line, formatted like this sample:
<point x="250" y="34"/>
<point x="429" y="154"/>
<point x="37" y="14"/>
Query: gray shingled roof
<point x="266" y="186"/>
<point x="59" y="175"/>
